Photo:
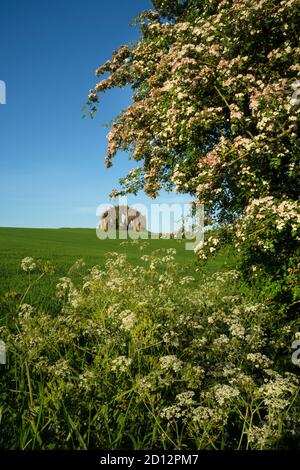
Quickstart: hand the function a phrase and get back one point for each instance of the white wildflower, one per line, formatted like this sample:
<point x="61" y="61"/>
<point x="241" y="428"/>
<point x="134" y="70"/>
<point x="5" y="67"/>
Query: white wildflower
<point x="185" y="398"/>
<point x="25" y="310"/>
<point x="173" y="412"/>
<point x="128" y="320"/>
<point x="220" y="342"/>
<point x="86" y="379"/>
<point x="96" y="274"/>
<point x="237" y="330"/>
<point x="225" y="393"/>
<point x="74" y="298"/>
<point x="171" y="338"/>
<point x="28" y="264"/>
<point x="199" y="342"/>
<point x="121" y="364"/>
<point x="61" y="368"/>
<point x="167" y="259"/>
<point x="171" y="251"/>
<point x="259" y="360"/>
<point x="144" y="384"/>
<point x="63" y="286"/>
<point x="186" y="280"/>
<point x="260" y="436"/>
<point x="202" y="415"/>
<point x="170" y="363"/>
<point x="276" y="392"/>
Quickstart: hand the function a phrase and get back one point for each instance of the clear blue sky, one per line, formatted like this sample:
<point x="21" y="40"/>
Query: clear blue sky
<point x="51" y="160"/>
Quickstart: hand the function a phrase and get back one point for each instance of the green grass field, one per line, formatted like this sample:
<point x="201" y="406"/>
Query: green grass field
<point x="62" y="247"/>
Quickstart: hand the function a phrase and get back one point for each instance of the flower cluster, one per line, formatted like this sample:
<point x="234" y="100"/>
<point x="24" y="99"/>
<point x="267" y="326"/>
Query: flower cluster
<point x="28" y="264"/>
<point x="213" y="100"/>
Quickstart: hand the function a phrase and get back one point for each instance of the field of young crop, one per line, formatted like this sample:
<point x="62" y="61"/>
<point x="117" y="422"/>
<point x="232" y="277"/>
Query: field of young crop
<point x="63" y="247"/>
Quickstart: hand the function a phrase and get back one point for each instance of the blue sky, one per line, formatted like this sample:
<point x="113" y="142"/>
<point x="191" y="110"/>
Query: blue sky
<point x="51" y="160"/>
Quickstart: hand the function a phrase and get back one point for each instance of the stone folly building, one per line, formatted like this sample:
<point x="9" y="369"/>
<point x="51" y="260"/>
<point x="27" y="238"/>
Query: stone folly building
<point x="122" y="218"/>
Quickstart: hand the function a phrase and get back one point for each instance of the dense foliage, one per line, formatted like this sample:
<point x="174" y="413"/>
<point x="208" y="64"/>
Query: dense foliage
<point x="215" y="113"/>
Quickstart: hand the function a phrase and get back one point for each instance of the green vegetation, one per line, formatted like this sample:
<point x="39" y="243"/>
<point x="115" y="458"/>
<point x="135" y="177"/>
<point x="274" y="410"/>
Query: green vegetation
<point x="147" y="351"/>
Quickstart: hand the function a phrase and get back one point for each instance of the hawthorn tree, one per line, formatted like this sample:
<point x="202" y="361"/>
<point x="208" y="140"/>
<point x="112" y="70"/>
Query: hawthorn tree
<point x="215" y="113"/>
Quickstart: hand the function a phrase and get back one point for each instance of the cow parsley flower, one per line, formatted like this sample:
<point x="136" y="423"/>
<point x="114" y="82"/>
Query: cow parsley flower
<point x="128" y="320"/>
<point x="25" y="310"/>
<point x="121" y="364"/>
<point x="63" y="286"/>
<point x="170" y="363"/>
<point x="225" y="393"/>
<point x="185" y="398"/>
<point x="28" y="264"/>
